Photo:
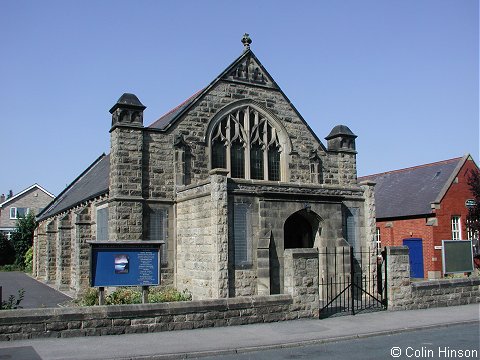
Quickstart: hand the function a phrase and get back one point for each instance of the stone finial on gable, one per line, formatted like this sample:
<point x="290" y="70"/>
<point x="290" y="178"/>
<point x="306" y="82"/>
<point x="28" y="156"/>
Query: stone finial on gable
<point x="246" y="41"/>
<point x="128" y="111"/>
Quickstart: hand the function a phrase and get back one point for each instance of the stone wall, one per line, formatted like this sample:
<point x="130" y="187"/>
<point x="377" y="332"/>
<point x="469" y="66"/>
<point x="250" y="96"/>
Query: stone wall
<point x="405" y="295"/>
<point x="127" y="319"/>
<point x="125" y="209"/>
<point x="195" y="251"/>
<point x="300" y="302"/>
<point x="61" y="252"/>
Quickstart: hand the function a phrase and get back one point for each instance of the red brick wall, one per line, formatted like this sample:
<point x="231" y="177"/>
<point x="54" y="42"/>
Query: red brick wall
<point x="392" y="233"/>
<point x="453" y="204"/>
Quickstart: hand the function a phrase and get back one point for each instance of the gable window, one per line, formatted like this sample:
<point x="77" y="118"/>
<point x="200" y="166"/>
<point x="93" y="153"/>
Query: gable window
<point x="274" y="164"/>
<point x="456" y="228"/>
<point x="247" y="144"/>
<point x="237" y="154"/>
<point x="242" y="235"/>
<point x="256" y="162"/>
<point x="158" y="230"/>
<point x="18" y="212"/>
<point x="219" y="159"/>
<point x="102" y="223"/>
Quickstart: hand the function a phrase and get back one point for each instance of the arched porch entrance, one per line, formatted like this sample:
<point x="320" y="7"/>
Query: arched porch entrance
<point x="300" y="230"/>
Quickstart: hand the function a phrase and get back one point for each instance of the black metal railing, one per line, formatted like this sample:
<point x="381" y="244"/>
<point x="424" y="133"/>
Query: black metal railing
<point x="351" y="281"/>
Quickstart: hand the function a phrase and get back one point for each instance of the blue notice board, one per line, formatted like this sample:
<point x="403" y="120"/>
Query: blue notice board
<point x="117" y="265"/>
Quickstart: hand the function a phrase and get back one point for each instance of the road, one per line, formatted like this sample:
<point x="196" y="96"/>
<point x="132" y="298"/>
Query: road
<point x="439" y="343"/>
<point x="37" y="295"/>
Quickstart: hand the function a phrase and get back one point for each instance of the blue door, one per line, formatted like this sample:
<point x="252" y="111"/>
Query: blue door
<point x="415" y="248"/>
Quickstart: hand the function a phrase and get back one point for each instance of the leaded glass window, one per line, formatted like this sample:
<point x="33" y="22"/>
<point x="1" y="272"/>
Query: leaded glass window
<point x="238" y="160"/>
<point x="274" y="164"/>
<point x="246" y="143"/>
<point x="256" y="162"/>
<point x="219" y="159"/>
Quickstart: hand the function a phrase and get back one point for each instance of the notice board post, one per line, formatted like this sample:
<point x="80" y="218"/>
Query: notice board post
<point x="125" y="263"/>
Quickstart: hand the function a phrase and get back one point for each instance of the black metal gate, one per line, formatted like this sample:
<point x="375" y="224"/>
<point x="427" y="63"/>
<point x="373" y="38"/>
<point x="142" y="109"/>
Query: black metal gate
<point x="351" y="281"/>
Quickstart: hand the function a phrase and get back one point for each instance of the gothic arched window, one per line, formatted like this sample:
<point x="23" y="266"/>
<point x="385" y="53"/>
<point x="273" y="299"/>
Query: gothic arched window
<point x="246" y="143"/>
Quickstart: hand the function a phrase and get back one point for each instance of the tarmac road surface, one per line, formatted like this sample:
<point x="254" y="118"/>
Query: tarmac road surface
<point x="37" y="294"/>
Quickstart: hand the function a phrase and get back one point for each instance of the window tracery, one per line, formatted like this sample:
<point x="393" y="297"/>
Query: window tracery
<point x="247" y="143"/>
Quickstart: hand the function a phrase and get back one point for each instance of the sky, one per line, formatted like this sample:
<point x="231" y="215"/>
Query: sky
<point x="402" y="75"/>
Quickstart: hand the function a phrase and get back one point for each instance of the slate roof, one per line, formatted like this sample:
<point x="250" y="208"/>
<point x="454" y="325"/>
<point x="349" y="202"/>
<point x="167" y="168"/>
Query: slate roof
<point x="170" y="116"/>
<point x="410" y="192"/>
<point x="91" y="183"/>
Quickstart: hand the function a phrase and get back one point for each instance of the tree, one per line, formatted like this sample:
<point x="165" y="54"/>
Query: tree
<point x="473" y="217"/>
<point x="7" y="252"/>
<point x="22" y="238"/>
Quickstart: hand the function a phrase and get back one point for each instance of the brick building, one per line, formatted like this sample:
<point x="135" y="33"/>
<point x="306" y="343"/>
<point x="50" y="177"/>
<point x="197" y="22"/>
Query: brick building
<point x="421" y="206"/>
<point x="229" y="179"/>
<point x="33" y="199"/>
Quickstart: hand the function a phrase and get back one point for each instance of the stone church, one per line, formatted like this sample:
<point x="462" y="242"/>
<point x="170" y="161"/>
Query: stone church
<point x="229" y="179"/>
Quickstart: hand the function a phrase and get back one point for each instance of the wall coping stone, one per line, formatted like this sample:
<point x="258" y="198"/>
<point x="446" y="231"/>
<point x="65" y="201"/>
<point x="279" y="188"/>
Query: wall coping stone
<point x="23" y="316"/>
<point x="397" y="250"/>
<point x="303" y="253"/>
<point x="445" y="283"/>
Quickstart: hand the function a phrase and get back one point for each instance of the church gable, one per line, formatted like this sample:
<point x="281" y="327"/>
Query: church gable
<point x="249" y="71"/>
<point x="243" y="117"/>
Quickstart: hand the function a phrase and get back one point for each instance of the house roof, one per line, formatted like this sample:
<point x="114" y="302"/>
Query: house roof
<point x="411" y="191"/>
<point x="93" y="182"/>
<point x="24" y="192"/>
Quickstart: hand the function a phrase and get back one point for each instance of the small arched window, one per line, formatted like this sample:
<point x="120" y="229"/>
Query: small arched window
<point x="246" y="143"/>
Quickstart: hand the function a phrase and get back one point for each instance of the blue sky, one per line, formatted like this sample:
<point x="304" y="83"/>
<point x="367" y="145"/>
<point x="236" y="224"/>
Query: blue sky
<point x="403" y="75"/>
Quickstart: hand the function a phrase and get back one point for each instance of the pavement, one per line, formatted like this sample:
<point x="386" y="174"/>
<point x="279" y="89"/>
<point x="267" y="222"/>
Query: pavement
<point x="37" y="294"/>
<point x="238" y="339"/>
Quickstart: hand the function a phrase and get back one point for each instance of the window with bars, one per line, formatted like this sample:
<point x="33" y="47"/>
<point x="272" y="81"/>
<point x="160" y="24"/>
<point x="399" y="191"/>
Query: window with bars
<point x="102" y="223"/>
<point x="158" y="230"/>
<point x="242" y="235"/>
<point x="350" y="227"/>
<point x="246" y="143"/>
<point x="456" y="228"/>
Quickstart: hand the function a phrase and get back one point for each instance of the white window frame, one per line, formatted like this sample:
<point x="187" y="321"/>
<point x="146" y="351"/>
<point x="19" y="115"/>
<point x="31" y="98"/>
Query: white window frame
<point x="378" y="241"/>
<point x="14" y="209"/>
<point x="456" y="227"/>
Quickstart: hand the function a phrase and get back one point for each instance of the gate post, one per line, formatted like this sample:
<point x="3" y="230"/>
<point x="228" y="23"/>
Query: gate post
<point x="301" y="281"/>
<point x="398" y="285"/>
